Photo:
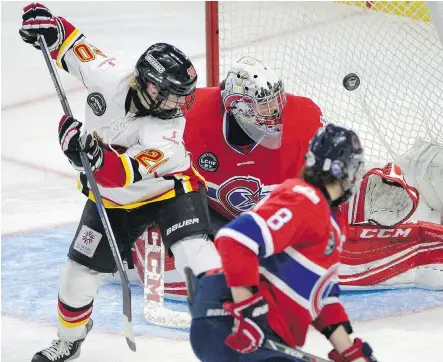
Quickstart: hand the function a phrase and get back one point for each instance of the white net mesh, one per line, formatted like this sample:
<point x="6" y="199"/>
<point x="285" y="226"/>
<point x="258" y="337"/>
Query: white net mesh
<point x="393" y="48"/>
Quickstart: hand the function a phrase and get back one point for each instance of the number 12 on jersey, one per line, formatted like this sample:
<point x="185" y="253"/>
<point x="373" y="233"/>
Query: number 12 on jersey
<point x="151" y="159"/>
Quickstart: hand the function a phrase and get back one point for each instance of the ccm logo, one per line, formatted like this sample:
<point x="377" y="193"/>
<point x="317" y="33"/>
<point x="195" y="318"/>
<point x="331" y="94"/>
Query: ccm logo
<point x="384" y="233"/>
<point x="181" y="224"/>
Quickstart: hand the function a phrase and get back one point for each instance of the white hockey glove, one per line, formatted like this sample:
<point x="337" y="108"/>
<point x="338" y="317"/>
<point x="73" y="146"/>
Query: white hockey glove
<point x="384" y="198"/>
<point x="423" y="165"/>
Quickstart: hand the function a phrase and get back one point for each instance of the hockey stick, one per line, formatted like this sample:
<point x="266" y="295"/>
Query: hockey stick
<point x="155" y="311"/>
<point x="129" y="334"/>
<point x="302" y="356"/>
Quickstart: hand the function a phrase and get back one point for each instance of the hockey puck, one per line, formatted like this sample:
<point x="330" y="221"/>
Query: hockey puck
<point x="351" y="81"/>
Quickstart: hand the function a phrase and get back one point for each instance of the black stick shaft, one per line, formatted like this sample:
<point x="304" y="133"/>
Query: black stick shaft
<point x="294" y="352"/>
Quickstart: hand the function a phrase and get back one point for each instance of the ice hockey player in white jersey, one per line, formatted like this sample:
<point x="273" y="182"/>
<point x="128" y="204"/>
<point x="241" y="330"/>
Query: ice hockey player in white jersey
<point x="133" y="131"/>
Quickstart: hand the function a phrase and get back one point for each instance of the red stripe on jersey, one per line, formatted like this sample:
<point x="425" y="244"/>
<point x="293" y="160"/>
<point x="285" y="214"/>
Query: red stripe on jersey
<point x="112" y="173"/>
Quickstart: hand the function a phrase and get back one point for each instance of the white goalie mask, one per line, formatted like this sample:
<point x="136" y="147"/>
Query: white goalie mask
<point x="255" y="96"/>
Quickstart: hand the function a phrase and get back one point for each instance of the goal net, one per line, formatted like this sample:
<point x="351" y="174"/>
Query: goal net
<point x="393" y="48"/>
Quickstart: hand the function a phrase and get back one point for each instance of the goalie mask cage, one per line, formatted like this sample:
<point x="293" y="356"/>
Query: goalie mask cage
<point x="393" y="47"/>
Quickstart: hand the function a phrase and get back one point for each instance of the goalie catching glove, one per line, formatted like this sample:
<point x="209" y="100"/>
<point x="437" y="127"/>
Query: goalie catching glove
<point x="69" y="135"/>
<point x="384" y="198"/>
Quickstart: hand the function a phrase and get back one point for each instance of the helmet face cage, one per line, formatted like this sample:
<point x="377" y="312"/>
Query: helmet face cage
<point x="166" y="104"/>
<point x="255" y="96"/>
<point x="268" y="105"/>
<point x="262" y="106"/>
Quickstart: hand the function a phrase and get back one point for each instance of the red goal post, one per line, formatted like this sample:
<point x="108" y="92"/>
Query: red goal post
<point x="212" y="43"/>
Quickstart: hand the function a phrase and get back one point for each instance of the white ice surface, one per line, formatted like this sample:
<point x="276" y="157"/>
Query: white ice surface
<point x="410" y="338"/>
<point x="38" y="185"/>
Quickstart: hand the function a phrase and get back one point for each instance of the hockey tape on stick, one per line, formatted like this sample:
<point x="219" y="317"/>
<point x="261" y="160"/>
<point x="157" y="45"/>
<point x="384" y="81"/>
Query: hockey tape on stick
<point x="294" y="352"/>
<point x="127" y="312"/>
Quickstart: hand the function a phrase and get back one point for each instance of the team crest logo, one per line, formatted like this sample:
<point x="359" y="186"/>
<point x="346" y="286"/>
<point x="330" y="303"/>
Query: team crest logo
<point x="239" y="194"/>
<point x="322" y="289"/>
<point x="239" y="103"/>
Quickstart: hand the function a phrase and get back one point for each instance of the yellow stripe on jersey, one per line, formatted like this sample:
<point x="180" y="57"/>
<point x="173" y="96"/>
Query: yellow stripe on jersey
<point x="128" y="170"/>
<point x="185" y="182"/>
<point x="187" y="186"/>
<point x="199" y="176"/>
<point x="65" y="46"/>
<point x="112" y="205"/>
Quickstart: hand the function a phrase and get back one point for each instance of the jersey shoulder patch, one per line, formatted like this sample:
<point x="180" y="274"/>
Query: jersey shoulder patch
<point x="97" y="103"/>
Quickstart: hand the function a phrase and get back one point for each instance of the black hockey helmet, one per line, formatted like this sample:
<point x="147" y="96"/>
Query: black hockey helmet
<point x="166" y="71"/>
<point x="335" y="154"/>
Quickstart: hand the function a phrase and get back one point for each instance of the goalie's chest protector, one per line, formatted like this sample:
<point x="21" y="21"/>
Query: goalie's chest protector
<point x="236" y="181"/>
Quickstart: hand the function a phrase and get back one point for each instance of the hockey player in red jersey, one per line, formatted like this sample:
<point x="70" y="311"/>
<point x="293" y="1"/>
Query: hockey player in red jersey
<point x="134" y="124"/>
<point x="279" y="265"/>
<point x="247" y="136"/>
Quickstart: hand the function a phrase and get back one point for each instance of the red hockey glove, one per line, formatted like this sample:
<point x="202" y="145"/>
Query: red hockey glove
<point x="247" y="336"/>
<point x="359" y="349"/>
<point x="38" y="19"/>
<point x="68" y="136"/>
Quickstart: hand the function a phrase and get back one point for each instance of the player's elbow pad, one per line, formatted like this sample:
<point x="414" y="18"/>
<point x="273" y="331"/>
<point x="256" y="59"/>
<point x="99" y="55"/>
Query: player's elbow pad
<point x="327" y="332"/>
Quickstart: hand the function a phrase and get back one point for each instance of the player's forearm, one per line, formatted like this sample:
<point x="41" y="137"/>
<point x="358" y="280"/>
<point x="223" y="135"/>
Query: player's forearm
<point x="340" y="339"/>
<point x="239" y="294"/>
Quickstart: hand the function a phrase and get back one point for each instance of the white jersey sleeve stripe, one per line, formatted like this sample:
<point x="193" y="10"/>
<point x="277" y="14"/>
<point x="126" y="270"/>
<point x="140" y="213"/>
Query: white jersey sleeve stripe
<point x="239" y="237"/>
<point x="266" y="233"/>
